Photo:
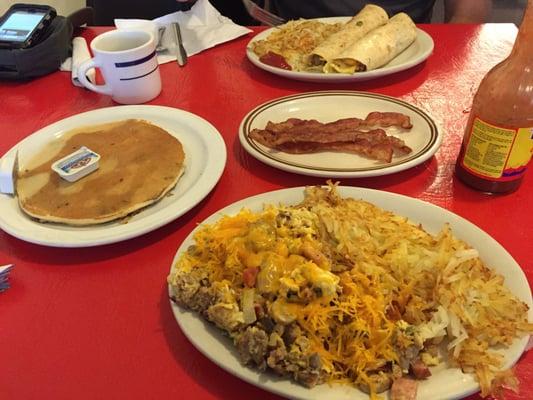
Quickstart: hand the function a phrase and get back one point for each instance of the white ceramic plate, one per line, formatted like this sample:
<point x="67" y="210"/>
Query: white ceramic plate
<point x="416" y="53"/>
<point x="327" y="106"/>
<point x="205" y="158"/>
<point x="445" y="383"/>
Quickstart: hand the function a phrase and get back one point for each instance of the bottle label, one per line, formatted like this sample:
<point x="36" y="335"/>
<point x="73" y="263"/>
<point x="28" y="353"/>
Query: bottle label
<point x="497" y="153"/>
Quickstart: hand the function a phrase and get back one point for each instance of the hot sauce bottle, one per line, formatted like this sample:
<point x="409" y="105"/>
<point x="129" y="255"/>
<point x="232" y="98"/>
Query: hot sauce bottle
<point x="498" y="139"/>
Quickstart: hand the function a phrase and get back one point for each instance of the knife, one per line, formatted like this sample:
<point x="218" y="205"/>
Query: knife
<point x="181" y="54"/>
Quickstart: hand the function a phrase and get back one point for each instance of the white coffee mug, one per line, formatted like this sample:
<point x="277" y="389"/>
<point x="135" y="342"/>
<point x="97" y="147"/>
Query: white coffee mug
<point x="128" y="62"/>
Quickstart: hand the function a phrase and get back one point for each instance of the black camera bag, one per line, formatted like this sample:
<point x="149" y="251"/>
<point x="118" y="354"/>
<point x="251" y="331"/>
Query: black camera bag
<point x="43" y="57"/>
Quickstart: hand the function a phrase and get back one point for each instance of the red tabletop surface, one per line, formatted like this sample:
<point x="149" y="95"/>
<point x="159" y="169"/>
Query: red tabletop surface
<point x="95" y="323"/>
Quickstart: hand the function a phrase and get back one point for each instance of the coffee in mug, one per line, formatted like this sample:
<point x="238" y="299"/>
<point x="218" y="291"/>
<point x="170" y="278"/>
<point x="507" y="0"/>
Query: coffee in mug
<point x="128" y="62"/>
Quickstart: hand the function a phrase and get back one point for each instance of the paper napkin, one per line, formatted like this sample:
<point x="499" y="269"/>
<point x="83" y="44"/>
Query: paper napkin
<point x="202" y="27"/>
<point x="80" y="53"/>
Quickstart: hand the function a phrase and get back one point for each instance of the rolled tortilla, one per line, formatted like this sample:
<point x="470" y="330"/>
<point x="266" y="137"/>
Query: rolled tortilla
<point x="377" y="48"/>
<point x="366" y="20"/>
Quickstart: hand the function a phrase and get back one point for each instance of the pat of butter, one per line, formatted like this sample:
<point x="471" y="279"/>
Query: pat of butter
<point x="77" y="165"/>
<point x="8" y="170"/>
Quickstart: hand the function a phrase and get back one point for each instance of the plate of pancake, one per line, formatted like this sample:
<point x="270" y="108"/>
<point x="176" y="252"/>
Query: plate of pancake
<point x="341" y="49"/>
<point x="155" y="164"/>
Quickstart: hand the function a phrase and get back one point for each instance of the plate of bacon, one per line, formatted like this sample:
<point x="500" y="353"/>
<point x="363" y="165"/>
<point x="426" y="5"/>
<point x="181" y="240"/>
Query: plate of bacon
<point x="340" y="134"/>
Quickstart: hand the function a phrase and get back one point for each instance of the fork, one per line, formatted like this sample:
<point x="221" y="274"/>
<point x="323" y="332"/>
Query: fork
<point x="262" y="15"/>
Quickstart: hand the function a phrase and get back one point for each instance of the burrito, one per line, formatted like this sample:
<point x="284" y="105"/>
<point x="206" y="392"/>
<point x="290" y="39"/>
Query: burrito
<point x="368" y="19"/>
<point x="377" y="48"/>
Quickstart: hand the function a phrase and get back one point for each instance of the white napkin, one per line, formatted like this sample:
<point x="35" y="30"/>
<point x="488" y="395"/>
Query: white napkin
<point x="202" y="27"/>
<point x="8" y="172"/>
<point x="80" y="53"/>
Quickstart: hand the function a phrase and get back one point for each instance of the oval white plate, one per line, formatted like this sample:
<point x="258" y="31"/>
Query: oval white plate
<point x="327" y="106"/>
<point x="445" y="383"/>
<point x="205" y="158"/>
<point x="416" y="53"/>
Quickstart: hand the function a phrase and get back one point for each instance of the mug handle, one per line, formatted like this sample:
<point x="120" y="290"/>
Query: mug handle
<point x="82" y="77"/>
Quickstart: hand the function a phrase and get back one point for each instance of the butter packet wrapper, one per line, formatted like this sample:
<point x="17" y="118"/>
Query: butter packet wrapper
<point x="4" y="274"/>
<point x="77" y="165"/>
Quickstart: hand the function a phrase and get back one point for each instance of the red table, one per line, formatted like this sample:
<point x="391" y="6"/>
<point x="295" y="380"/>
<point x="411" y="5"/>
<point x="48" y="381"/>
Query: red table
<point x="95" y="323"/>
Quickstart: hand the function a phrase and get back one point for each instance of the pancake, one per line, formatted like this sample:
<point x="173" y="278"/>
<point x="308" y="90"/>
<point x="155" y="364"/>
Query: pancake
<point x="140" y="163"/>
<point x="366" y="20"/>
<point x="377" y="48"/>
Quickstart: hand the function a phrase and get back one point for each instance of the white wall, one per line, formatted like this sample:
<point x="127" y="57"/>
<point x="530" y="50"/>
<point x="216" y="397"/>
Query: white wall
<point x="63" y="7"/>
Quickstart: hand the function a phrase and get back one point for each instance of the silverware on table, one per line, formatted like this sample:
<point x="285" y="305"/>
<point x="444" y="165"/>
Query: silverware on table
<point x="181" y="54"/>
<point x="160" y="47"/>
<point x="262" y="15"/>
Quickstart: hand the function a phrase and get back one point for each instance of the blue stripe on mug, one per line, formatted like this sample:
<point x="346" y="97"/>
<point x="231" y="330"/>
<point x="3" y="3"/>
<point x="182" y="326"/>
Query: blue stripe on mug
<point x="140" y="76"/>
<point x="135" y="62"/>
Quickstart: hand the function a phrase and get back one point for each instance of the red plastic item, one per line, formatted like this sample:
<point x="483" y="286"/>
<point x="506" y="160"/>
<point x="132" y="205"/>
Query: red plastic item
<point x="96" y="323"/>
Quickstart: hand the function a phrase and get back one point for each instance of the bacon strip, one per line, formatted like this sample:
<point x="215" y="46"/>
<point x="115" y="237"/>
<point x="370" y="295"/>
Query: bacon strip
<point x="298" y="136"/>
<point x="386" y="119"/>
<point x="381" y="151"/>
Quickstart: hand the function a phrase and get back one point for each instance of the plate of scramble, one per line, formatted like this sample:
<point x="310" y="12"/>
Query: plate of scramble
<point x="343" y="134"/>
<point x="341" y="49"/>
<point x="156" y="163"/>
<point x="345" y="293"/>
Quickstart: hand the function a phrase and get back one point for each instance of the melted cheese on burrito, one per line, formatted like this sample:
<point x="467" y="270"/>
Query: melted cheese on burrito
<point x="377" y="48"/>
<point x="368" y="19"/>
